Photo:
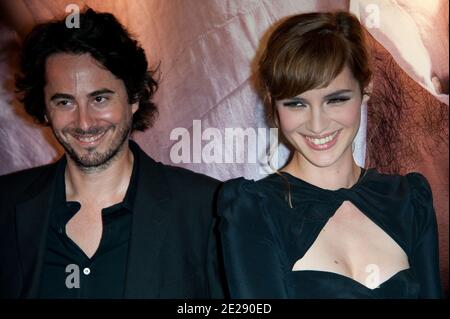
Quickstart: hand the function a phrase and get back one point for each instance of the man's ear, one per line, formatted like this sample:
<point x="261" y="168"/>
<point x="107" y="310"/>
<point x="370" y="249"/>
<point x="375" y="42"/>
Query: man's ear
<point x="134" y="107"/>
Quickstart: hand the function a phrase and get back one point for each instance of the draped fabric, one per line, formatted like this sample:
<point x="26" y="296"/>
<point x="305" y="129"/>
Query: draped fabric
<point x="205" y="54"/>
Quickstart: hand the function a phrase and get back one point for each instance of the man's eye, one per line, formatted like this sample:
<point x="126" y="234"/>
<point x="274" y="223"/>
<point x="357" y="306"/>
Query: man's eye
<point x="63" y="103"/>
<point x="293" y="104"/>
<point x="100" y="99"/>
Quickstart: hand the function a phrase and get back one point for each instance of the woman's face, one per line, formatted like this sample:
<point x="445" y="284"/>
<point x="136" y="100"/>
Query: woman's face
<point x="322" y="123"/>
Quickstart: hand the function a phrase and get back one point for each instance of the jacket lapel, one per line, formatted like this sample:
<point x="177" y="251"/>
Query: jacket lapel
<point x="149" y="226"/>
<point x="32" y="216"/>
<point x="150" y="222"/>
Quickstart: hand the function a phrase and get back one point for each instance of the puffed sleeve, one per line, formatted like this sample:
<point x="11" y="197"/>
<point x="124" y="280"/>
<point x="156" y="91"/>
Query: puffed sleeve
<point x="251" y="253"/>
<point x="425" y="253"/>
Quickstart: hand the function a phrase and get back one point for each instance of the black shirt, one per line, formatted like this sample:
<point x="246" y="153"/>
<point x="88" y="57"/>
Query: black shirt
<point x="263" y="237"/>
<point x="67" y="272"/>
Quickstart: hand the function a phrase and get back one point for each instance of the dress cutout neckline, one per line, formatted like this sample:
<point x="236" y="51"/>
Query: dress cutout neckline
<point x="362" y="174"/>
<point x="351" y="280"/>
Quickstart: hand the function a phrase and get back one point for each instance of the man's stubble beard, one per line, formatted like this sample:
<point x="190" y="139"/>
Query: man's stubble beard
<point x="95" y="161"/>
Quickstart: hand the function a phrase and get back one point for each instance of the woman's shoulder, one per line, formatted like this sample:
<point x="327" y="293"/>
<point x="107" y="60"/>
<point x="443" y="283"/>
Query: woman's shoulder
<point x="241" y="187"/>
<point x="411" y="183"/>
<point x="238" y="202"/>
<point x="422" y="199"/>
<point x="237" y="188"/>
<point x="248" y="197"/>
<point x="411" y="189"/>
<point x="418" y="184"/>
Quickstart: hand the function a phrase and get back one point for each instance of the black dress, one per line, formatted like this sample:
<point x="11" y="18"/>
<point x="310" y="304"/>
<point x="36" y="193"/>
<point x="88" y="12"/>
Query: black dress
<point x="262" y="236"/>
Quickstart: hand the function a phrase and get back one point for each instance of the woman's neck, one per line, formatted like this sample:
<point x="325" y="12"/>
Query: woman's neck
<point x="342" y="174"/>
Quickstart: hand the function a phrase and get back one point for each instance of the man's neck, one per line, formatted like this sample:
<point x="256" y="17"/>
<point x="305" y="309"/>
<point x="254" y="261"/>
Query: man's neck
<point x="104" y="187"/>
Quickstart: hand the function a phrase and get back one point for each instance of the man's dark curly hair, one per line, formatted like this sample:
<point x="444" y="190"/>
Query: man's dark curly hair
<point x="107" y="41"/>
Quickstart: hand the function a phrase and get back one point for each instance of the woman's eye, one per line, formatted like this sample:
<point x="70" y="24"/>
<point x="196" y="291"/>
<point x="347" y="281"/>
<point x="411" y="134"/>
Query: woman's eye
<point x="294" y="104"/>
<point x="338" y="100"/>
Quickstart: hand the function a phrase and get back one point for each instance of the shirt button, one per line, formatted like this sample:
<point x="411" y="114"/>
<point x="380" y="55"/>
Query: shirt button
<point x="86" y="271"/>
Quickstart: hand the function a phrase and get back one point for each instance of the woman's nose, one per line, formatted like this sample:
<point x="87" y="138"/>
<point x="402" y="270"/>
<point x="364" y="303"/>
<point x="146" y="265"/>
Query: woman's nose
<point x="318" y="121"/>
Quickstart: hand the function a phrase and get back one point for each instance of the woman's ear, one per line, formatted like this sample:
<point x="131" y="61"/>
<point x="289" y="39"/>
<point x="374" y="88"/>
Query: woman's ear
<point x="270" y="103"/>
<point x="367" y="92"/>
<point x="268" y="98"/>
<point x="275" y="118"/>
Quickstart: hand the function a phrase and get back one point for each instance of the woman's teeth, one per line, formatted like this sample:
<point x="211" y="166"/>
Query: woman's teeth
<point x="321" y="141"/>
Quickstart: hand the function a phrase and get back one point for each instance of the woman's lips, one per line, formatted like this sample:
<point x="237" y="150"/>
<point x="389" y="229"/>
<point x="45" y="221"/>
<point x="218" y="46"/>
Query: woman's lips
<point x="324" y="142"/>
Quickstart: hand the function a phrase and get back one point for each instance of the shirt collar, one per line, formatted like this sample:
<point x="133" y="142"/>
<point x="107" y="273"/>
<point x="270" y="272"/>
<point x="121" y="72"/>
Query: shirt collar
<point x="128" y="201"/>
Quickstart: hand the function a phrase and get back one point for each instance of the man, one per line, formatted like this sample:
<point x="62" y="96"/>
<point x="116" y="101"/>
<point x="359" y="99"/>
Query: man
<point x="105" y="221"/>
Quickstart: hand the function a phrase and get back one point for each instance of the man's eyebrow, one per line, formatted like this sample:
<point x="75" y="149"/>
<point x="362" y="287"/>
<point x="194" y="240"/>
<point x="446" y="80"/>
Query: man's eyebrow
<point x="57" y="96"/>
<point x="64" y="96"/>
<point x="100" y="92"/>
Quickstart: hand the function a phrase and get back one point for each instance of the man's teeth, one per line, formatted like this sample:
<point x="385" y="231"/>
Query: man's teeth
<point x="321" y="141"/>
<point x="90" y="139"/>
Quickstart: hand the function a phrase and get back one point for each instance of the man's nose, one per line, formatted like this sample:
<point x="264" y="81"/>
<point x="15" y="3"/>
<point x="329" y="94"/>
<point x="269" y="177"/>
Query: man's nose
<point x="85" y="118"/>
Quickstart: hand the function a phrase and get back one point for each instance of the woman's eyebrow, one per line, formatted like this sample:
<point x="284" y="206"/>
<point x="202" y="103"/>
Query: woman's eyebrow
<point x="337" y="93"/>
<point x="328" y="96"/>
<point x="296" y="98"/>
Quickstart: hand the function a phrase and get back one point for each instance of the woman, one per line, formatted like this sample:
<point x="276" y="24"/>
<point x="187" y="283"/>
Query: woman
<point x="322" y="227"/>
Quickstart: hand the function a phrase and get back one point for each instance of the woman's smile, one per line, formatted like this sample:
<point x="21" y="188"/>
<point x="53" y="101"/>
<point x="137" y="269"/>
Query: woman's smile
<point x="323" y="142"/>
